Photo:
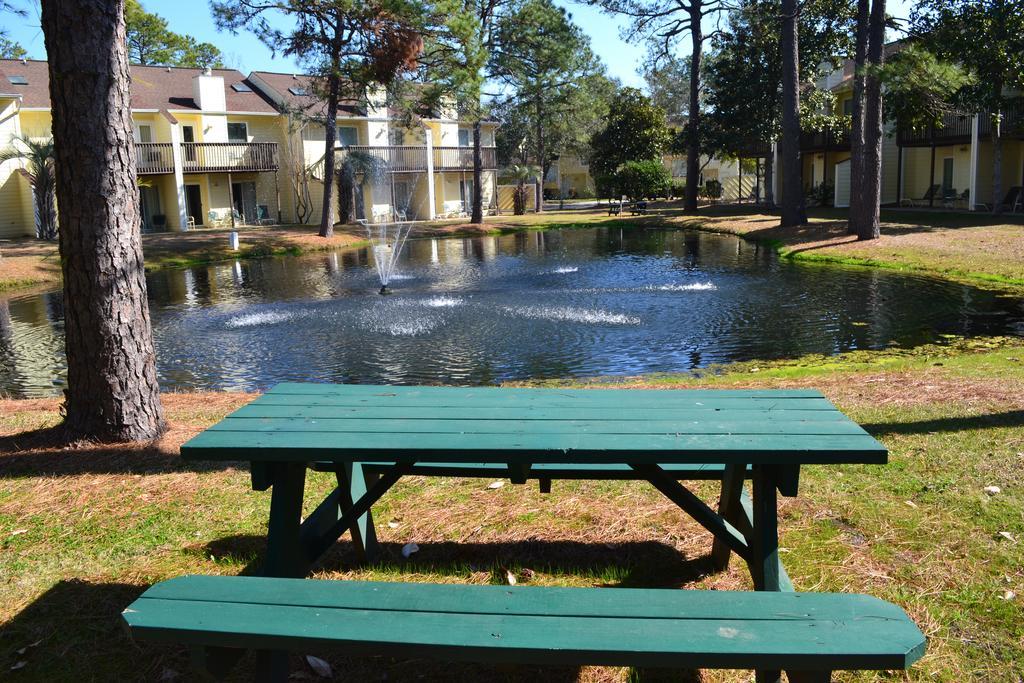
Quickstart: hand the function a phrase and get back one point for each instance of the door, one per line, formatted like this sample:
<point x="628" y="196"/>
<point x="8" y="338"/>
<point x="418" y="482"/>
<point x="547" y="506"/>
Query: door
<point x="947" y="177"/>
<point x="466" y="194"/>
<point x="188" y="135"/>
<point x="149" y="208"/>
<point x="403" y="196"/>
<point x="244" y="194"/>
<point x="194" y="204"/>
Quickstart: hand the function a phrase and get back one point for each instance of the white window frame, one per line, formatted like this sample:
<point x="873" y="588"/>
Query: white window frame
<point x="238" y="123"/>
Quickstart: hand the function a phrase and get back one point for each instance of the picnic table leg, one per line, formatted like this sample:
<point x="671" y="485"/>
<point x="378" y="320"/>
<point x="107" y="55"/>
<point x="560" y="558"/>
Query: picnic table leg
<point x="731" y="507"/>
<point x="286" y="556"/>
<point x="353" y="482"/>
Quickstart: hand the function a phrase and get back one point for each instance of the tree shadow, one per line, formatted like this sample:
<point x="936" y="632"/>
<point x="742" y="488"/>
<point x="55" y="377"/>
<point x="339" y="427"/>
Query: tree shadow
<point x="1010" y="418"/>
<point x="74" y="630"/>
<point x="48" y="452"/>
<point x="633" y="564"/>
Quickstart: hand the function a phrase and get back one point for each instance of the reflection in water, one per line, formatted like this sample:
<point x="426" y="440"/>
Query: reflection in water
<point x="532" y="304"/>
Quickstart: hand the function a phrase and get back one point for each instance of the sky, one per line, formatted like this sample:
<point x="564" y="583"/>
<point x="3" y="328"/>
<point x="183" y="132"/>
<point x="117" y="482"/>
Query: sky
<point x="246" y="53"/>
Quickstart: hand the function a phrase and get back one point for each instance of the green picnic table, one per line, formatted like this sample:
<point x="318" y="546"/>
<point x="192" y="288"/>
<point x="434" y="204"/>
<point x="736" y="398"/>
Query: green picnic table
<point x="371" y="436"/>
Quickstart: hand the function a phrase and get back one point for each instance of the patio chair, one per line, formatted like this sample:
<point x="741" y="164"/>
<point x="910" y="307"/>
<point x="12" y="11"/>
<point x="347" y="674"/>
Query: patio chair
<point x="926" y="199"/>
<point x="949" y="197"/>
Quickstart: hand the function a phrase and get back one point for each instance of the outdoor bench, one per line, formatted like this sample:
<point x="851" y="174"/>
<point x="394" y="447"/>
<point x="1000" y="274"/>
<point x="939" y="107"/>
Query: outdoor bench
<point x="808" y="635"/>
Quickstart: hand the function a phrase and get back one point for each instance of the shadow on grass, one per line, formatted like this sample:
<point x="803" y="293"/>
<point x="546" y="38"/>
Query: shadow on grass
<point x="634" y="564"/>
<point x="47" y="452"/>
<point x="1011" y="418"/>
<point x="74" y="631"/>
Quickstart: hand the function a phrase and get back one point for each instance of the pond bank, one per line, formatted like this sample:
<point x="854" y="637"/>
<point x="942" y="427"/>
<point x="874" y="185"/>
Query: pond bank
<point x="84" y="529"/>
<point x="974" y="248"/>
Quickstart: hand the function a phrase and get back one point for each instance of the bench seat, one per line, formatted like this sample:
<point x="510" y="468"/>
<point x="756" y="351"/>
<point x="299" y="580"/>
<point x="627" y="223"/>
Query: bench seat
<point x="803" y="632"/>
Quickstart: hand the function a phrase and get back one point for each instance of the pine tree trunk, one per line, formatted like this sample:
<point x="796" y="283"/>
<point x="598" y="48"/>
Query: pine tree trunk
<point x="112" y="392"/>
<point x="346" y="199"/>
<point x="478" y="163"/>
<point x="869" y="219"/>
<point x="540" y="155"/>
<point x="330" y="137"/>
<point x="794" y="211"/>
<point x="857" y="124"/>
<point x="693" y="122"/>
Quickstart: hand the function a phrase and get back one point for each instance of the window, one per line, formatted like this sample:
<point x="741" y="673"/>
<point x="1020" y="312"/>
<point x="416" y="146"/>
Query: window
<point x="464" y="137"/>
<point x="396" y="136"/>
<point x="143" y="133"/>
<point x="238" y="132"/>
<point x="18" y="80"/>
<point x="241" y="86"/>
<point x="848" y="107"/>
<point x="947" y="175"/>
<point x="298" y="92"/>
<point x="348" y="135"/>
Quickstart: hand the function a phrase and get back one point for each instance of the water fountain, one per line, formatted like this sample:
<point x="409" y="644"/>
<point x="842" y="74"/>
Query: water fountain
<point x="387" y="238"/>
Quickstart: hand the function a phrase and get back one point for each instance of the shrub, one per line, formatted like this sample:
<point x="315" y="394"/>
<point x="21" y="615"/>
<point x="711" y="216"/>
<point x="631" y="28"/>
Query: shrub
<point x="713" y="189"/>
<point x="641" y="179"/>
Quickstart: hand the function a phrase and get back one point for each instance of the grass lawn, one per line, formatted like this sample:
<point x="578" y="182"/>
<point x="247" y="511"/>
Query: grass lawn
<point x="84" y="529"/>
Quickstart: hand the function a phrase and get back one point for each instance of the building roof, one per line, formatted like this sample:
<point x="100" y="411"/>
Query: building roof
<point x="298" y="92"/>
<point x="152" y="87"/>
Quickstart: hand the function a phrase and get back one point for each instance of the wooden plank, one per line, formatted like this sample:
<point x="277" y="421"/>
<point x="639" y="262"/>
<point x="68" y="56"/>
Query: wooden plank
<point x="260" y="409"/>
<point x="582" y="448"/>
<point x="498" y="400"/>
<point x="310" y="388"/>
<point x="544" y="470"/>
<point x="463" y="426"/>
<point x="639" y="627"/>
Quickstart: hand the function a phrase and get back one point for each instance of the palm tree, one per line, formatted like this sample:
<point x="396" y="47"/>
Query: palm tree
<point x="521" y="173"/>
<point x="356" y="164"/>
<point x="38" y="158"/>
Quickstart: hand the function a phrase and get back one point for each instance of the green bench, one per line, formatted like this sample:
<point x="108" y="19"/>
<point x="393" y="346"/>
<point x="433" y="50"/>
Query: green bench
<point x="807" y="634"/>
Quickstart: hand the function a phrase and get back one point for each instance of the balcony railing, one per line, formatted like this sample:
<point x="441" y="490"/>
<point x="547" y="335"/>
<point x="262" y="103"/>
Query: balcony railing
<point x="818" y="140"/>
<point x="952" y="130"/>
<point x="207" y="157"/>
<point x="154" y="157"/>
<point x="407" y="158"/>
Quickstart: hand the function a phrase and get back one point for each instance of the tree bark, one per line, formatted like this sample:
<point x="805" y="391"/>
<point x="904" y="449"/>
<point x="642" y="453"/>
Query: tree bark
<point x="540" y="155"/>
<point x="112" y="392"/>
<point x="346" y="199"/>
<point x="794" y="211"/>
<point x="330" y="137"/>
<point x="693" y="120"/>
<point x="478" y="163"/>
<point x="868" y="218"/>
<point x="857" y="123"/>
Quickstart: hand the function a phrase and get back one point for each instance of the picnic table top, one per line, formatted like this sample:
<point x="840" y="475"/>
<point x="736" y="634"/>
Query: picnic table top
<point x="346" y="423"/>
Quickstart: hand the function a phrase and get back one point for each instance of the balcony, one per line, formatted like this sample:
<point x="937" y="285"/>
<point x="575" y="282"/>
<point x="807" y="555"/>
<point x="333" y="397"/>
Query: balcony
<point x="206" y="157"/>
<point x="954" y="129"/>
<point x="413" y="158"/>
<point x="824" y="141"/>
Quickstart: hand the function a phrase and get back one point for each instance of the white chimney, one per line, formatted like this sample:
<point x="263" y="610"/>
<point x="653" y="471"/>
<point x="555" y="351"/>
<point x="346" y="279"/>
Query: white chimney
<point x="208" y="91"/>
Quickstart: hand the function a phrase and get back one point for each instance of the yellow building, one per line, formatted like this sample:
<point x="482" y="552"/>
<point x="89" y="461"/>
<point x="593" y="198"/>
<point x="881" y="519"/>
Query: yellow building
<point x="206" y="146"/>
<point x="429" y="163"/>
<point x="949" y="165"/>
<point x="215" y="148"/>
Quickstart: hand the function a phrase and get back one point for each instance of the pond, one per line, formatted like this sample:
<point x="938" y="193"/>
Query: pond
<point x="560" y="303"/>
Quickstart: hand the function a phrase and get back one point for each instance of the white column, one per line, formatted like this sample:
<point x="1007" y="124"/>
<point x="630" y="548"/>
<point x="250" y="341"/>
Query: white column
<point x="429" y="137"/>
<point x="974" y="163"/>
<point x="179" y="176"/>
<point x="775" y="172"/>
